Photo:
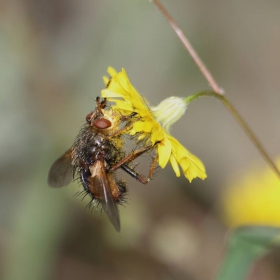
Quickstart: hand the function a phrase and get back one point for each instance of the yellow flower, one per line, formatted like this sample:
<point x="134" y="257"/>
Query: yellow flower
<point x="153" y="123"/>
<point x="253" y="199"/>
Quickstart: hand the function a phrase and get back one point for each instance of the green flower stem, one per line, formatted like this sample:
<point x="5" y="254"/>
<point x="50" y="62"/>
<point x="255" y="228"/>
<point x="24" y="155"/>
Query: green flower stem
<point x="245" y="246"/>
<point x="241" y="122"/>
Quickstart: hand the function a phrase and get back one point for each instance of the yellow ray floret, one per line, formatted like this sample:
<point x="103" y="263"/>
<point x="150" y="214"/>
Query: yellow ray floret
<point x="153" y="123"/>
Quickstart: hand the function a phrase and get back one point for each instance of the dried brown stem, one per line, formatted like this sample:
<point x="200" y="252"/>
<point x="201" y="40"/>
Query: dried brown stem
<point x="214" y="85"/>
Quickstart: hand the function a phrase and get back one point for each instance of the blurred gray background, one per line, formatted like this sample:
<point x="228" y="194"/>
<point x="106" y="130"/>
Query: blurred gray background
<point x="53" y="55"/>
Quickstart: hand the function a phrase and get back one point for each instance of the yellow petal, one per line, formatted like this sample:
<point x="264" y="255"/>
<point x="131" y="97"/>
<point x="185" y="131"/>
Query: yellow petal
<point x="140" y="126"/>
<point x="164" y="151"/>
<point x="111" y="71"/>
<point x="192" y="166"/>
<point x="121" y="105"/>
<point x="110" y="94"/>
<point x="158" y="134"/>
<point x="175" y="165"/>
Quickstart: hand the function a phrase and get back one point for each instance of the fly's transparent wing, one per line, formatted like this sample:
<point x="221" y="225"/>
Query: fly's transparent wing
<point x="61" y="172"/>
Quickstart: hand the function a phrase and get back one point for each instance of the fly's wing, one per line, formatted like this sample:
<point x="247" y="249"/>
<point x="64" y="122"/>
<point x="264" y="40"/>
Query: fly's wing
<point x="61" y="172"/>
<point x="102" y="191"/>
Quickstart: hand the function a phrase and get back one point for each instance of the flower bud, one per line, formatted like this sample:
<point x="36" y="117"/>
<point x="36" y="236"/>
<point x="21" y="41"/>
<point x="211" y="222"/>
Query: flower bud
<point x="169" y="111"/>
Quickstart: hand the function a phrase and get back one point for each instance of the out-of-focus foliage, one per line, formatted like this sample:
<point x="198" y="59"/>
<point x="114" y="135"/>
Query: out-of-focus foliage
<point x="53" y="55"/>
<point x="250" y="207"/>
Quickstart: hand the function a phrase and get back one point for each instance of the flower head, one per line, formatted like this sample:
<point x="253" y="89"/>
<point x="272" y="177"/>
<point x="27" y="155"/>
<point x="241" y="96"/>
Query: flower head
<point x="153" y="123"/>
<point x="253" y="199"/>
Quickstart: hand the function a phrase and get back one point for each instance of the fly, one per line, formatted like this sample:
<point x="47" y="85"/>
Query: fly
<point x="96" y="154"/>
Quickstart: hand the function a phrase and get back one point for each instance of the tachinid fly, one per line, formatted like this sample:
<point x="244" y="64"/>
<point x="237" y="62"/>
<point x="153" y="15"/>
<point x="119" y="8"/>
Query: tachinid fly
<point x="95" y="155"/>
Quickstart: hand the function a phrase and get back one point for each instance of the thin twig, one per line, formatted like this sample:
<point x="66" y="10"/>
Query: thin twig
<point x="214" y="85"/>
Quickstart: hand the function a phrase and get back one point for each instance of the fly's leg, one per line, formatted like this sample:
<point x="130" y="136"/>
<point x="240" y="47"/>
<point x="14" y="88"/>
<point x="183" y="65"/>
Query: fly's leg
<point x="120" y="131"/>
<point x="126" y="128"/>
<point x="133" y="155"/>
<point x="100" y="104"/>
<point x="142" y="179"/>
<point x="127" y="118"/>
<point x="153" y="167"/>
<point x="109" y="82"/>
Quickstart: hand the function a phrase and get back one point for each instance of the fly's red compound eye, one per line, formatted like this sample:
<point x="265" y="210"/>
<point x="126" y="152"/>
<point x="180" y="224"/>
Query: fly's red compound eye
<point x="102" y="123"/>
<point x="88" y="117"/>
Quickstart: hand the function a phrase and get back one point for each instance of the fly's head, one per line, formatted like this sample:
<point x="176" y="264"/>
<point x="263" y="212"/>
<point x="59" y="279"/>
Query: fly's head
<point x="101" y="119"/>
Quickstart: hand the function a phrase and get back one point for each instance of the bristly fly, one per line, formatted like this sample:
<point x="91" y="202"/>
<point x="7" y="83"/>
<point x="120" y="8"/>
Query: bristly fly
<point x="95" y="155"/>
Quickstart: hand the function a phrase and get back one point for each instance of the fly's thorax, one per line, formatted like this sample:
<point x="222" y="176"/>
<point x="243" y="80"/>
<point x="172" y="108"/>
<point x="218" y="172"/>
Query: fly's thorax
<point x="91" y="145"/>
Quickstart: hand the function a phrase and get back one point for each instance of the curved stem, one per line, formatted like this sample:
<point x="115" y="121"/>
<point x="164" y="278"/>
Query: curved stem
<point x="241" y="122"/>
<point x="214" y="85"/>
<point x="218" y="92"/>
